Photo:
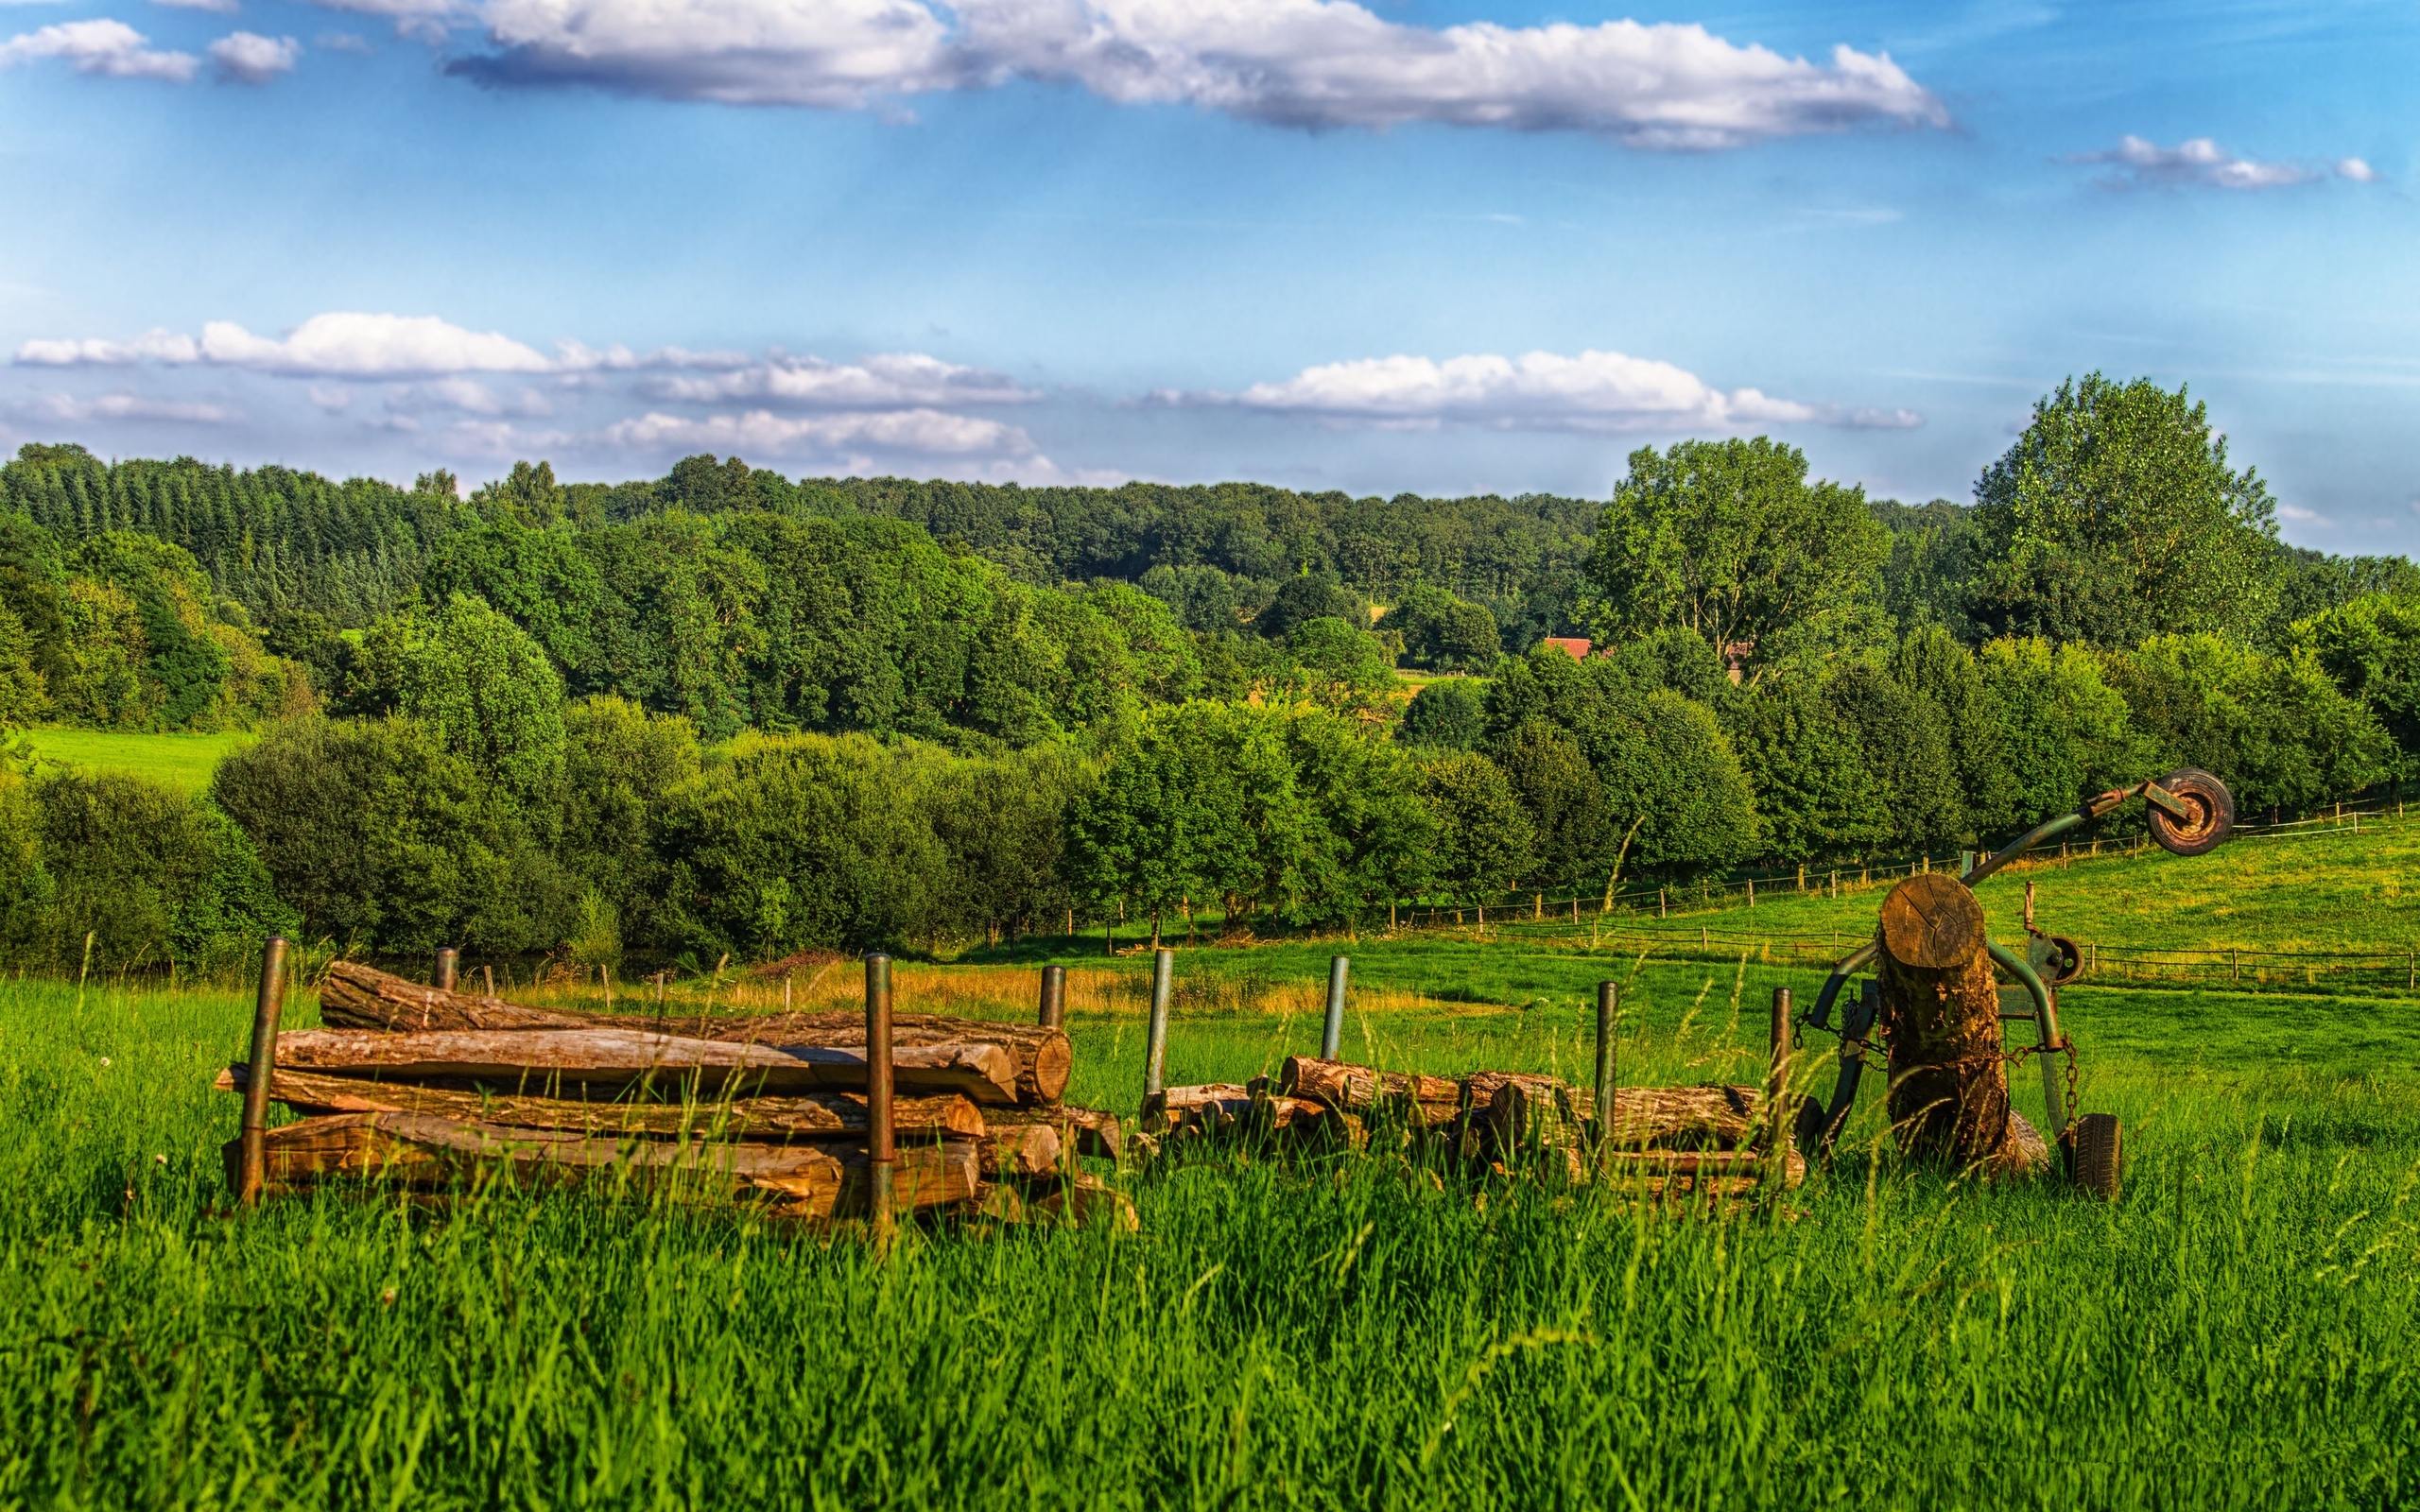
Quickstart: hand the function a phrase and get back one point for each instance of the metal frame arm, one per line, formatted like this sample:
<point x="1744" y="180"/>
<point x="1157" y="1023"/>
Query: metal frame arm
<point x="2159" y="796"/>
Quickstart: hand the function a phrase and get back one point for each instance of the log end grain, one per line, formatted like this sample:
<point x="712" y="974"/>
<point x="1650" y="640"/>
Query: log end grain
<point x="1932" y="920"/>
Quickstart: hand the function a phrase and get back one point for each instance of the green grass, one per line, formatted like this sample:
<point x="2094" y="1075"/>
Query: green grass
<point x="2236" y="1331"/>
<point x="182" y="760"/>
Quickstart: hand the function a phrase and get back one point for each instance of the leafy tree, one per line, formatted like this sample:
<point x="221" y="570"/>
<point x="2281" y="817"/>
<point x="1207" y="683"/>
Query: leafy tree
<point x="1307" y="597"/>
<point x="2116" y="517"/>
<point x="2064" y="730"/>
<point x="1936" y="549"/>
<point x="1933" y="667"/>
<point x="621" y="764"/>
<point x="22" y="697"/>
<point x="1444" y="633"/>
<point x="479" y="685"/>
<point x="1566" y="803"/>
<point x="1816" y="794"/>
<point x="1483" y="836"/>
<point x="1729" y="541"/>
<point x="1003" y="825"/>
<point x="1340" y="669"/>
<point x="538" y="580"/>
<point x="1448" y="715"/>
<point x="1905" y="741"/>
<point x="2275" y="729"/>
<point x="1202" y="598"/>
<point x="2312" y="583"/>
<point x="2371" y="648"/>
<point x="1368" y="833"/>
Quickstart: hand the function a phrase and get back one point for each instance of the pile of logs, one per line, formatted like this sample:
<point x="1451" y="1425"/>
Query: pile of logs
<point x="423" y="1087"/>
<point x="1717" y="1141"/>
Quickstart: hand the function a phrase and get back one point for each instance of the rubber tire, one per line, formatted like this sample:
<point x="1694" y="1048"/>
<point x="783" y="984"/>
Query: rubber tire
<point x="2197" y="788"/>
<point x="2097" y="1159"/>
<point x="2070" y="964"/>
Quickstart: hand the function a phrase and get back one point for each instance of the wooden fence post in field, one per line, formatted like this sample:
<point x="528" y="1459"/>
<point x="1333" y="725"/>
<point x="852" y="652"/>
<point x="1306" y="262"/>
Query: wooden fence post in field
<point x="490" y="973"/>
<point x="1332" y="1033"/>
<point x="1777" y="1098"/>
<point x="1659" y="902"/>
<point x="1054" y="997"/>
<point x="265" y="1011"/>
<point x="1751" y="892"/>
<point x="449" y="961"/>
<point x="1155" y="1044"/>
<point x="882" y="1153"/>
<point x="1608" y="1018"/>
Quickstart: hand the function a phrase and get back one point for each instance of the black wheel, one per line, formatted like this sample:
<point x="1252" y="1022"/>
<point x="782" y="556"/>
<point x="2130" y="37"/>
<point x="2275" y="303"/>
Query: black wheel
<point x="2096" y="1157"/>
<point x="2206" y="799"/>
<point x="2065" y="961"/>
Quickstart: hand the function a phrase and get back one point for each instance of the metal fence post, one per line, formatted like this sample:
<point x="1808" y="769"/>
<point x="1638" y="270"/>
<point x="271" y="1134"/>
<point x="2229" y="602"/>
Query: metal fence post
<point x="881" y="1153"/>
<point x="1332" y="1035"/>
<point x="1608" y="1015"/>
<point x="1777" y="1096"/>
<point x="1155" y="1047"/>
<point x="252" y="1173"/>
<point x="1054" y="997"/>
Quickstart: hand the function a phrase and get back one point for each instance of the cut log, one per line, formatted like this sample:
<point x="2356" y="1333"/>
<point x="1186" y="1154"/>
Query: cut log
<point x="1684" y="1118"/>
<point x="1087" y="1130"/>
<point x="1298" y="1120"/>
<point x="1948" y="1097"/>
<point x="551" y="1061"/>
<point x="354" y="996"/>
<point x="1625" y="1165"/>
<point x="1203" y="1109"/>
<point x="1027" y="1150"/>
<point x="808" y="1115"/>
<point x="800" y="1180"/>
<point x="1422" y="1102"/>
<point x="362" y="997"/>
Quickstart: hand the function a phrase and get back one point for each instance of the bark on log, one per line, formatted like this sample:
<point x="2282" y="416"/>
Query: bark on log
<point x="360" y="997"/>
<point x="1684" y="1118"/>
<point x="808" y="1115"/>
<point x="1940" y="1011"/>
<point x="1300" y="1120"/>
<point x="1027" y="1150"/>
<point x="799" y="1180"/>
<point x="1748" y="1164"/>
<point x="548" y="1061"/>
<point x="1422" y="1102"/>
<point x="1087" y="1130"/>
<point x="1203" y="1109"/>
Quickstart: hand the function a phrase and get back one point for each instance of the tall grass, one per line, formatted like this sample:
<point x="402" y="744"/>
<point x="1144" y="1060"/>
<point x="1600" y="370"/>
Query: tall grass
<point x="2236" y="1333"/>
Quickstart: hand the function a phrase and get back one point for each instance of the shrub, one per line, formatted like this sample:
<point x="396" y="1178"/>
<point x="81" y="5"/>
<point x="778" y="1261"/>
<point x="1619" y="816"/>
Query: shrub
<point x="2274" y="729"/>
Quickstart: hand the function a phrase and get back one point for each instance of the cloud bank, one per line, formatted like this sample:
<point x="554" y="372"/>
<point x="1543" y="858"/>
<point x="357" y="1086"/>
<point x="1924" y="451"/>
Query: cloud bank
<point x="2200" y="163"/>
<point x="1594" y="392"/>
<point x="109" y="49"/>
<point x="1309" y="63"/>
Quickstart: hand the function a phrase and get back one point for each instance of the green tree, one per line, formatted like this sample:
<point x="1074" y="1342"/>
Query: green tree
<point x="1816" y="796"/>
<point x="1444" y="633"/>
<point x="1728" y="541"/>
<point x="1339" y="668"/>
<point x="2371" y="648"/>
<point x="2115" y="516"/>
<point x="1308" y="597"/>
<point x="1905" y="741"/>
<point x="2274" y="729"/>
<point x="2064" y="730"/>
<point x="1933" y="667"/>
<point x="1483" y="836"/>
<point x="477" y="683"/>
<point x="1448" y="715"/>
<point x="22" y="697"/>
<point x="620" y="766"/>
<point x="1368" y="835"/>
<point x="1566" y="803"/>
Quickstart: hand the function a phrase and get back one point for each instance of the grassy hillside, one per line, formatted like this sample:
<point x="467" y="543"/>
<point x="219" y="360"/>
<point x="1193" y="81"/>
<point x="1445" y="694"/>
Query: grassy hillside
<point x="182" y="760"/>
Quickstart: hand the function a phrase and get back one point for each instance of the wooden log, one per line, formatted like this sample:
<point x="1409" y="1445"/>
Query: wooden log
<point x="1086" y="1130"/>
<point x="1631" y="1164"/>
<point x="361" y="997"/>
<point x="1421" y="1101"/>
<point x="552" y="1060"/>
<point x="1300" y="1121"/>
<point x="1203" y="1109"/>
<point x="806" y="1115"/>
<point x="1708" y="1117"/>
<point x="799" y="1180"/>
<point x="1022" y="1150"/>
<point x="1948" y="1097"/>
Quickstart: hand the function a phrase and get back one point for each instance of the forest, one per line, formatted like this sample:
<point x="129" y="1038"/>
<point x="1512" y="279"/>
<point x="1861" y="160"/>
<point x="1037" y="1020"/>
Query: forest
<point x="724" y="712"/>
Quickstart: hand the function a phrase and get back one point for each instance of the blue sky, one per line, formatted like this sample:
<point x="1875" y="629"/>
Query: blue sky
<point x="1443" y="246"/>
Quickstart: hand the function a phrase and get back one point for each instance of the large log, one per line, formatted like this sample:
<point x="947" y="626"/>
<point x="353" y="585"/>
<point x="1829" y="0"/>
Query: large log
<point x="1421" y="1101"/>
<point x="1683" y="1118"/>
<point x="1948" y="1097"/>
<point x="806" y="1115"/>
<point x="1204" y="1108"/>
<point x="360" y="997"/>
<point x="802" y="1180"/>
<point x="551" y="1061"/>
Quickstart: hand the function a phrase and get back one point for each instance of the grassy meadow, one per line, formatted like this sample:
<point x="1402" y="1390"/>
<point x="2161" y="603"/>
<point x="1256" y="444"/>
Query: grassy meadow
<point x="185" y="761"/>
<point x="1350" y="1333"/>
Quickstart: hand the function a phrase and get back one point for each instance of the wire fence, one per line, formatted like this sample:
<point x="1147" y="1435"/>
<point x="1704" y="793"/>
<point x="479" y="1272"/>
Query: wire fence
<point x="1621" y="924"/>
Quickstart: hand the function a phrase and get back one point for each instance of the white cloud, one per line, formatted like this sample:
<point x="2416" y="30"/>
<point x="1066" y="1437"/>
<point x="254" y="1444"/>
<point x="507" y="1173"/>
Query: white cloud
<point x="887" y="381"/>
<point x="159" y="344"/>
<point x="67" y="408"/>
<point x="222" y="8"/>
<point x="347" y="344"/>
<point x="920" y="432"/>
<point x="2302" y="516"/>
<point x="112" y="49"/>
<point x="1293" y="62"/>
<point x="248" y="57"/>
<point x="2356" y="170"/>
<point x="2142" y="165"/>
<point x="1595" y="391"/>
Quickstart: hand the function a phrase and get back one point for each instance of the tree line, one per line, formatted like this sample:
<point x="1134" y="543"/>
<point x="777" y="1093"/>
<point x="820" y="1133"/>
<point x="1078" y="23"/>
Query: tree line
<point x="727" y="713"/>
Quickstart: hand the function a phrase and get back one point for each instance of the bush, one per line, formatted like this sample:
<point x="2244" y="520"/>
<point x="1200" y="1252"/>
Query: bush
<point x="385" y="839"/>
<point x="1445" y="633"/>
<point x="2275" y="729"/>
<point x="2371" y="648"/>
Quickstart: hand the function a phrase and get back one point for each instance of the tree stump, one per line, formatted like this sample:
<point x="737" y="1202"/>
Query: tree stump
<point x="1941" y="1009"/>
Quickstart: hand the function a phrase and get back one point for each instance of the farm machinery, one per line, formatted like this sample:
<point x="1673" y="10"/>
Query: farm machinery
<point x="1934" y="1001"/>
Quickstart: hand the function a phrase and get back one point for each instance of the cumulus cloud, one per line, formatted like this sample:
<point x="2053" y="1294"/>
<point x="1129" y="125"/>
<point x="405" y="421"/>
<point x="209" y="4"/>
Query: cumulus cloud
<point x="921" y="432"/>
<point x="1312" y="64"/>
<point x="353" y="345"/>
<point x="1595" y="391"/>
<point x="885" y="381"/>
<point x="2201" y="163"/>
<point x="111" y="49"/>
<point x="159" y="344"/>
<point x="248" y="57"/>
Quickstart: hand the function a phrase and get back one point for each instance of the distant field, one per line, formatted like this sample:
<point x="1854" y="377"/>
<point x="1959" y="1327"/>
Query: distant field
<point x="180" y="761"/>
